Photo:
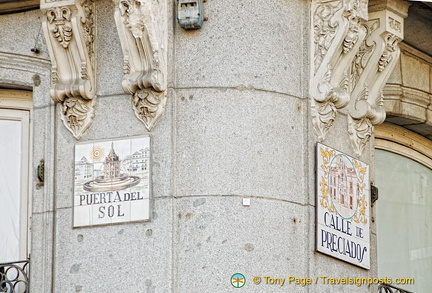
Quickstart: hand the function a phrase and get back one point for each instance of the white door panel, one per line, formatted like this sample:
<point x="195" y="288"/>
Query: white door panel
<point x="14" y="158"/>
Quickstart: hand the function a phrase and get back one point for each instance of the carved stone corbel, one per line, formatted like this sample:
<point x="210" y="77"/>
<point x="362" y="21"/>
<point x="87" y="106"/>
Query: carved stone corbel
<point x="372" y="67"/>
<point x="338" y="33"/>
<point x="142" y="29"/>
<point x="69" y="32"/>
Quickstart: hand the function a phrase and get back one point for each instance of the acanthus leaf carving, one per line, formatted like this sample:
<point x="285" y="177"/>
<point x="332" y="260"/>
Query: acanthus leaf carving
<point x="360" y="132"/>
<point x="352" y="36"/>
<point x="361" y="129"/>
<point x="149" y="105"/>
<point x="388" y="55"/>
<point x="369" y="72"/>
<point x="60" y="19"/>
<point x="363" y="55"/>
<point x="88" y="27"/>
<point x="77" y="114"/>
<point x="356" y="13"/>
<point x="69" y="32"/>
<point x="323" y="116"/>
<point x="338" y="33"/>
<point x="325" y="28"/>
<point x="142" y="29"/>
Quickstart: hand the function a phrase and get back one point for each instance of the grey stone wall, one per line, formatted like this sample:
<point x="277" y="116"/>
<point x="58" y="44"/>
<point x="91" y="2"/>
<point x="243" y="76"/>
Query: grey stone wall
<point x="237" y="125"/>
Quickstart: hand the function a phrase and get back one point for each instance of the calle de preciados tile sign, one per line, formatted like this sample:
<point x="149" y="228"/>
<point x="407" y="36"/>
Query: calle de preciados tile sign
<point x="112" y="181"/>
<point x="343" y="207"/>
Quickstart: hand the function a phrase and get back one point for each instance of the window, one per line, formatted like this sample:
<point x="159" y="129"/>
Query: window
<point x="14" y="175"/>
<point x="403" y="173"/>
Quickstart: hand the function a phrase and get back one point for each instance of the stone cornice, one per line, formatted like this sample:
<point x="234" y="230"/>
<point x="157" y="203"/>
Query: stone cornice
<point x="23" y="62"/>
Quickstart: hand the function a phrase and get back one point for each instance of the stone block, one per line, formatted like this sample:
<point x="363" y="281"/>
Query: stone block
<point x="109" y="56"/>
<point x="43" y="131"/>
<point x="413" y="111"/>
<point x="240" y="142"/>
<point x="415" y="73"/>
<point x="134" y="257"/>
<point x="41" y="87"/>
<point x="245" y="43"/>
<point x="223" y="237"/>
<point x="41" y="258"/>
<point x="21" y="38"/>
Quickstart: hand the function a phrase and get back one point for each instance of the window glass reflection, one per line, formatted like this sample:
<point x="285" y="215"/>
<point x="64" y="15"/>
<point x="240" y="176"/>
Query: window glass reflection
<point x="404" y="219"/>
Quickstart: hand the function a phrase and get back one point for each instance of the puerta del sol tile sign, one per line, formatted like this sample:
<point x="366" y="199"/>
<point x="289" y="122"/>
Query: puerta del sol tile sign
<point x="112" y="181"/>
<point x="343" y="207"/>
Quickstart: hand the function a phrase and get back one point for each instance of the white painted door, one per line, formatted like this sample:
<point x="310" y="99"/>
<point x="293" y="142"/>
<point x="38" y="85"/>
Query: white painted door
<point x="14" y="184"/>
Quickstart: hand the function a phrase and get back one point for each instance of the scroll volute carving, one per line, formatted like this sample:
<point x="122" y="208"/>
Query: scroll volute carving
<point x="69" y="32"/>
<point x="371" y="69"/>
<point x="338" y="33"/>
<point x="142" y="29"/>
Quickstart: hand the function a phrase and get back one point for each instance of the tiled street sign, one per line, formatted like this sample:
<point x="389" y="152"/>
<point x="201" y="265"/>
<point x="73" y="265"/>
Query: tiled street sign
<point x="112" y="181"/>
<point x="343" y="207"/>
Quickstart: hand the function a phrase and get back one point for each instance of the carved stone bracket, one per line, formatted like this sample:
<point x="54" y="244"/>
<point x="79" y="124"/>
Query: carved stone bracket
<point x="371" y="68"/>
<point x="148" y="106"/>
<point x="69" y="32"/>
<point x="338" y="33"/>
<point x="142" y="29"/>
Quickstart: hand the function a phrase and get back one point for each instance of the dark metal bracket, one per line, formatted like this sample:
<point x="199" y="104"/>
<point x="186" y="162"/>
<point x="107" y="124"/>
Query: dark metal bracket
<point x="41" y="173"/>
<point x="374" y="194"/>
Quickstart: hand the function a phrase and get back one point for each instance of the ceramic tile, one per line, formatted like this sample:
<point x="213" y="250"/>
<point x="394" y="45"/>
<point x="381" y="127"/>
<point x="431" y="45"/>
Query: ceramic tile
<point x="120" y="211"/>
<point x="114" y="176"/>
<point x="319" y="157"/>
<point x="82" y="216"/>
<point x="342" y="205"/>
<point x="100" y="214"/>
<point x="140" y="210"/>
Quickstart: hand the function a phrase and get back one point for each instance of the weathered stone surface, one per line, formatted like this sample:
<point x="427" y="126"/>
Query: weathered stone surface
<point x="234" y="142"/>
<point x="244" y="43"/>
<point x="237" y="124"/>
<point x="224" y="237"/>
<point x="142" y="260"/>
<point x="415" y="73"/>
<point x="41" y="251"/>
<point x="109" y="69"/>
<point x="20" y="39"/>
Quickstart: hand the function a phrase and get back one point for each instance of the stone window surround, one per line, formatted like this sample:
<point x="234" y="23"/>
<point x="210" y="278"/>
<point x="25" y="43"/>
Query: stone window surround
<point x="401" y="141"/>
